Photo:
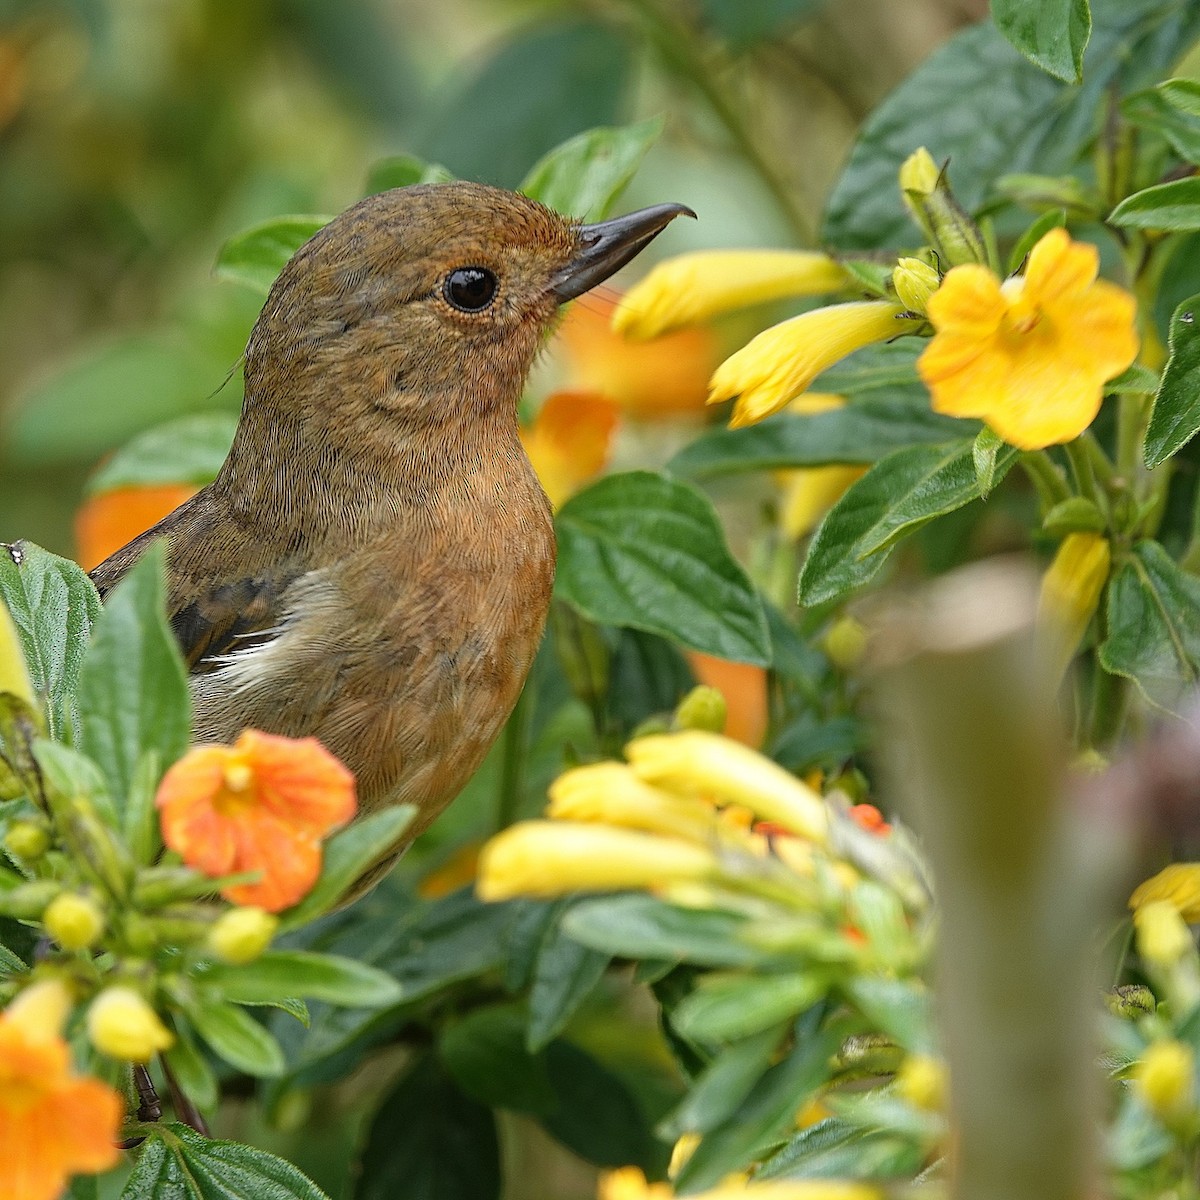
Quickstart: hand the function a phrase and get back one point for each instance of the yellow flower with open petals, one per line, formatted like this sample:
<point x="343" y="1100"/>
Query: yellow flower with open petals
<point x="1177" y="885"/>
<point x="52" y="1123"/>
<point x="553" y="858"/>
<point x="1029" y="356"/>
<point x="781" y="363"/>
<point x="694" y="287"/>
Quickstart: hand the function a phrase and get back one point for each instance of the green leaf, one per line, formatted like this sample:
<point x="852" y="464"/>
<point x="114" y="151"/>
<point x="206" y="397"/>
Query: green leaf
<point x="718" y="1093"/>
<point x="744" y="22"/>
<point x="73" y="774"/>
<point x="834" y="1149"/>
<point x="1154" y="625"/>
<point x="1173" y="207"/>
<point x="894" y="498"/>
<point x="327" y="977"/>
<point x="983" y="453"/>
<point x="767" y="1111"/>
<point x="140" y="820"/>
<point x="192" y="1071"/>
<point x="1182" y="94"/>
<point x="861" y="432"/>
<point x="1136" y="379"/>
<point x="890" y="365"/>
<point x="637" y="926"/>
<point x="724" y="1008"/>
<point x="495" y="124"/>
<point x="255" y="256"/>
<point x="900" y="1008"/>
<point x="430" y="1141"/>
<point x="564" y="975"/>
<point x="646" y="552"/>
<point x="347" y="856"/>
<point x="177" y="1163"/>
<point x="487" y="1055"/>
<point x="1034" y="123"/>
<point x="236" y="1036"/>
<point x="188" y="450"/>
<point x="584" y="176"/>
<point x="1152" y="110"/>
<point x="403" y="170"/>
<point x="1175" y="417"/>
<point x="133" y="692"/>
<point x="1054" y="219"/>
<point x="1050" y="33"/>
<point x="53" y="605"/>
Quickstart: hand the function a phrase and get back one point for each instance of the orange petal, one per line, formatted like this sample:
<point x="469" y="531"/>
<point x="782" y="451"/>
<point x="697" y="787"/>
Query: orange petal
<point x="745" y="690"/>
<point x="300" y="781"/>
<point x="107" y="522"/>
<point x="569" y="442"/>
<point x="191" y="826"/>
<point x="289" y="861"/>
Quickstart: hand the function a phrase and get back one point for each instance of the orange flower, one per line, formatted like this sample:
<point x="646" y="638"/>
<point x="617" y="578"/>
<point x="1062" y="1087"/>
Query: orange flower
<point x="663" y="378"/>
<point x="569" y="441"/>
<point x="52" y="1123"/>
<point x="745" y="690"/>
<point x="1029" y="356"/>
<point x="106" y="522"/>
<point x="263" y="804"/>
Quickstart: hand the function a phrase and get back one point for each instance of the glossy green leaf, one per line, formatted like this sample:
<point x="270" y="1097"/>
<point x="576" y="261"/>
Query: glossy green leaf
<point x="1182" y="94"/>
<point x="862" y="432"/>
<point x="1154" y="625"/>
<point x="637" y="926"/>
<point x="983" y="453"/>
<point x="564" y="975"/>
<point x="1175" y="418"/>
<point x="647" y="552"/>
<point x="133" y="692"/>
<point x="725" y="1008"/>
<point x="1050" y="33"/>
<point x="177" y="1163"/>
<point x="584" y="176"/>
<point x="404" y="170"/>
<point x="53" y="604"/>
<point x="896" y="497"/>
<point x="192" y="1071"/>
<point x="327" y="977"/>
<point x="1033" y="122"/>
<point x="1152" y="110"/>
<point x="768" y="1110"/>
<point x="430" y="1141"/>
<point x="347" y="856"/>
<point x="255" y="256"/>
<point x="236" y="1036"/>
<point x="888" y="365"/>
<point x="834" y="1149"/>
<point x="1171" y="207"/>
<point x="719" y="1091"/>
<point x="189" y="450"/>
<point x="487" y="1055"/>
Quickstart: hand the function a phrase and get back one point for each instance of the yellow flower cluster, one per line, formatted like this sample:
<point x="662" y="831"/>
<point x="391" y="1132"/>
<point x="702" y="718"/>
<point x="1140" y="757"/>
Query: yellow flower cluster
<point x="630" y="1184"/>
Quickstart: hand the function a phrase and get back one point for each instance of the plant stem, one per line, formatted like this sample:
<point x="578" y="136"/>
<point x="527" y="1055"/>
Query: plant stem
<point x="678" y="44"/>
<point x="1046" y="478"/>
<point x="1083" y="470"/>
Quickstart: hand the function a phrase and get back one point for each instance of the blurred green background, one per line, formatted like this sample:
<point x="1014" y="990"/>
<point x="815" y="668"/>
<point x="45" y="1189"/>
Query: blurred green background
<point x="136" y="136"/>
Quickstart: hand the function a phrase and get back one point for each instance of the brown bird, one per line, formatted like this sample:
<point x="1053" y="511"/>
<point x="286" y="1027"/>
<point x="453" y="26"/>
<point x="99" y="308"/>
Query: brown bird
<point x="372" y="566"/>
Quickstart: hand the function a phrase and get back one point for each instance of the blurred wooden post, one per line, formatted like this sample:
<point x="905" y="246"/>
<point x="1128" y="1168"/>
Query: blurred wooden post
<point x="978" y="757"/>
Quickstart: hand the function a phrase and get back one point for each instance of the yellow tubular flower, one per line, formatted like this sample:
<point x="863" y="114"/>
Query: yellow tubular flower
<point x="122" y="1025"/>
<point x="695" y="287"/>
<point x="1070" y="592"/>
<point x="707" y="764"/>
<point x="1177" y="885"/>
<point x="549" y="858"/>
<point x="809" y="493"/>
<point x="629" y="1183"/>
<point x="1165" y="1078"/>
<point x="612" y="793"/>
<point x="1162" y="937"/>
<point x="1029" y="356"/>
<point x="782" y="361"/>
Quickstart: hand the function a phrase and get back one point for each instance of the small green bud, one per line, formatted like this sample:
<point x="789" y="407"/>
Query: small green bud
<point x="28" y="840"/>
<point x="702" y="708"/>
<point x="75" y="922"/>
<point x="914" y="282"/>
<point x="845" y="642"/>
<point x="1075" y="515"/>
<point x="242" y="934"/>
<point x="27" y="901"/>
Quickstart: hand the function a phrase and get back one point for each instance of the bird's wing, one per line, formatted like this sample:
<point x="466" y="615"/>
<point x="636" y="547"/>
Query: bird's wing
<point x="214" y="608"/>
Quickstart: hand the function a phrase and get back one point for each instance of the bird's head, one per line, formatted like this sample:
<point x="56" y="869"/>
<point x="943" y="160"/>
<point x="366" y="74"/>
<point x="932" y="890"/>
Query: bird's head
<point x="427" y="300"/>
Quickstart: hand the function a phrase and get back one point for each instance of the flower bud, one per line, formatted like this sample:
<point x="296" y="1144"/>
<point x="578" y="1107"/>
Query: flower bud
<point x="1165" y="1078"/>
<point x="1070" y="593"/>
<point x="845" y="642"/>
<point x="75" y="922"/>
<point x="28" y="840"/>
<point x="702" y="708"/>
<point x="928" y="197"/>
<point x="1162" y="937"/>
<point x="1178" y="884"/>
<point x="921" y="1080"/>
<point x="919" y="176"/>
<point x="122" y="1025"/>
<point x="14" y="674"/>
<point x="1074" y="515"/>
<point x="1130" y="1001"/>
<point x="242" y="934"/>
<point x="914" y="282"/>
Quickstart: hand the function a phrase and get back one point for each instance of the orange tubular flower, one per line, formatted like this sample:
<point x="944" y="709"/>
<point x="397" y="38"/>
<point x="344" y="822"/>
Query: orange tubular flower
<point x="569" y="441"/>
<point x="53" y="1124"/>
<point x="106" y="522"/>
<point x="1029" y="356"/>
<point x="263" y="804"/>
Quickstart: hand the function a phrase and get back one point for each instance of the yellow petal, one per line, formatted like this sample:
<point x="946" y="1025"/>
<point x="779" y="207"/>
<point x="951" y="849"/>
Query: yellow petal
<point x="1163" y="937"/>
<point x="698" y="763"/>
<point x="1177" y="885"/>
<point x="781" y="362"/>
<point x="1060" y="267"/>
<point x="552" y="858"/>
<point x="809" y="493"/>
<point x="695" y="287"/>
<point x="1069" y="595"/>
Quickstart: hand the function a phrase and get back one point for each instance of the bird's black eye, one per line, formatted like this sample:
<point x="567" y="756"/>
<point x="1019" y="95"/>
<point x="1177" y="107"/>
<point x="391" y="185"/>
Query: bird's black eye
<point x="470" y="289"/>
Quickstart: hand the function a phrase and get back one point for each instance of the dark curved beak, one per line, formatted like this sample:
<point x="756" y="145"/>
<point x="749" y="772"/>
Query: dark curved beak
<point x="608" y="245"/>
